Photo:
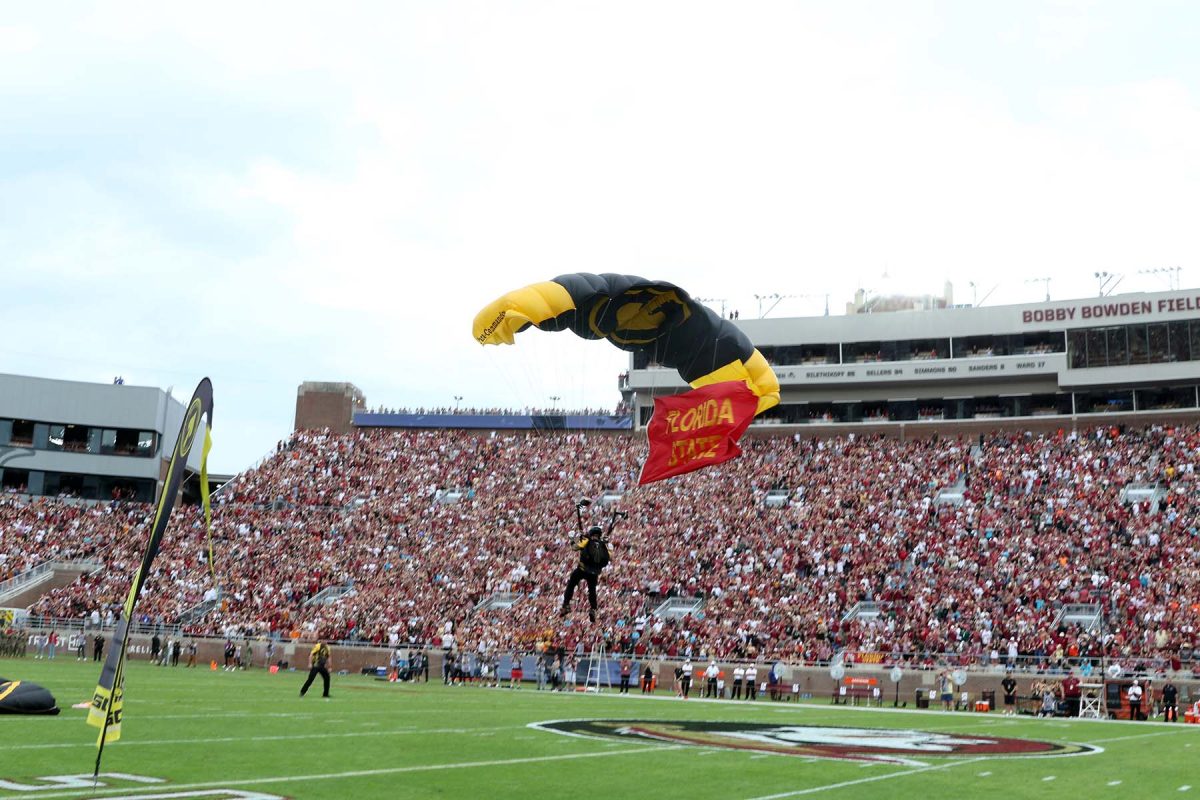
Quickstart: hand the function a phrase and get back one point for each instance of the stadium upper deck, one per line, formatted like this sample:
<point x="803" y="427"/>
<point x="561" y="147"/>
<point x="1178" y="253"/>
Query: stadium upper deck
<point x="90" y="440"/>
<point x="1123" y="354"/>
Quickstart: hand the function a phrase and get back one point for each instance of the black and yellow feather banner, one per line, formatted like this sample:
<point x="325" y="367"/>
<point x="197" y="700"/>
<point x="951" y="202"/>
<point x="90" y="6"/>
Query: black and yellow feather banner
<point x="108" y="700"/>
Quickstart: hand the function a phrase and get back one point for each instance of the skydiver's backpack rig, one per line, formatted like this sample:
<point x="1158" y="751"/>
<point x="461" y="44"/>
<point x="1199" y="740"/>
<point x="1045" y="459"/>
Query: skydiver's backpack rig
<point x="595" y="555"/>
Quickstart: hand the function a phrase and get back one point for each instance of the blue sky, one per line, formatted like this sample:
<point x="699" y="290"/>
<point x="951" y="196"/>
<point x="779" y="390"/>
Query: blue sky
<point x="272" y="193"/>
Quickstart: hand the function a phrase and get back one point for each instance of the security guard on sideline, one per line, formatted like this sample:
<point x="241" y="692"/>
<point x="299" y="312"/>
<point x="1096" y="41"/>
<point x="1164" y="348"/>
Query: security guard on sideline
<point x="319" y="661"/>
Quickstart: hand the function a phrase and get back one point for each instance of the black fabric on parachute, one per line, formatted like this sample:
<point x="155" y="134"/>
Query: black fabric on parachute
<point x="685" y="335"/>
<point x="655" y="319"/>
<point x="22" y="697"/>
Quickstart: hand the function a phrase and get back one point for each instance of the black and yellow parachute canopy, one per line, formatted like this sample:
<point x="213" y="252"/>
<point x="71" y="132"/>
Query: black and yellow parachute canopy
<point x="637" y="315"/>
<point x="23" y="697"/>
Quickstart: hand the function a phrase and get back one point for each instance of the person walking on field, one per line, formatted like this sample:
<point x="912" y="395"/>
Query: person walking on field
<point x="319" y="662"/>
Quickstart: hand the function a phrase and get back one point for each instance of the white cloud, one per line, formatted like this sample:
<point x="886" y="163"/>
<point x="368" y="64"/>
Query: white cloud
<point x="350" y="185"/>
<point x="17" y="39"/>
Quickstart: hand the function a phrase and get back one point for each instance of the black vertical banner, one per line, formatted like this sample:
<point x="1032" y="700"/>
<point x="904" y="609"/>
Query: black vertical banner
<point x="108" y="700"/>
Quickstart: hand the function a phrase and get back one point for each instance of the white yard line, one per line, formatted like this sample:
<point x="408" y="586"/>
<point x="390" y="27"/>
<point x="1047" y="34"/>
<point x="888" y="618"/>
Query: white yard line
<point x="280" y="738"/>
<point x="297" y="714"/>
<point x="1123" y="738"/>
<point x="365" y="773"/>
<point x="872" y="779"/>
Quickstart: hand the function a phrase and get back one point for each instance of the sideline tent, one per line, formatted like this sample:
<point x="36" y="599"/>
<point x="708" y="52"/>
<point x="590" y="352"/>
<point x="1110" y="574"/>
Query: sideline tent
<point x="23" y="697"/>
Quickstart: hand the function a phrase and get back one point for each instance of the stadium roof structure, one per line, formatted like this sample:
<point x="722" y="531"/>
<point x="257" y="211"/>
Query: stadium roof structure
<point x="1042" y="364"/>
<point x="94" y="441"/>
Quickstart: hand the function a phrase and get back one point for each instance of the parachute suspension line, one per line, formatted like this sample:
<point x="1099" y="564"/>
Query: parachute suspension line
<point x="520" y="376"/>
<point x="656" y="370"/>
<point x="523" y="371"/>
<point x="517" y="377"/>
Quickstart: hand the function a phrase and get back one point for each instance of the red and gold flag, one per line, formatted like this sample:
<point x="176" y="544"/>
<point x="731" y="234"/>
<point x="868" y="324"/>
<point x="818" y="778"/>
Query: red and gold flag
<point x="697" y="429"/>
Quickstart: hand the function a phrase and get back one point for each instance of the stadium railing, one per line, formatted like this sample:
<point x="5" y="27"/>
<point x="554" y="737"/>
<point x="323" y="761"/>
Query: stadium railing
<point x="43" y="571"/>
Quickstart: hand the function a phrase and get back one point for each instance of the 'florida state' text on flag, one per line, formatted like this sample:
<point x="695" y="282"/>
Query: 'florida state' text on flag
<point x="697" y="429"/>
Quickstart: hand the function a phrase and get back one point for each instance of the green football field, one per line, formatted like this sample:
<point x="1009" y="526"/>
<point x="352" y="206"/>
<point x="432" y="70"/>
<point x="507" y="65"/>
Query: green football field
<point x="199" y="733"/>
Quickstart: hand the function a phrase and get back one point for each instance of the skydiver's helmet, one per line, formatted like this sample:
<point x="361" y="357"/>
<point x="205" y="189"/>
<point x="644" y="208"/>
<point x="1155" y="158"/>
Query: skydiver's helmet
<point x="595" y="531"/>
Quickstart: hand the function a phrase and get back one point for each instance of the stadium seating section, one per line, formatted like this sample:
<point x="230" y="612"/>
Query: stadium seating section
<point x="1042" y="524"/>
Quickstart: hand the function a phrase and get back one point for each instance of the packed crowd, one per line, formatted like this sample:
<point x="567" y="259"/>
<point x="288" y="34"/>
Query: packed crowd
<point x="621" y="408"/>
<point x="1042" y="524"/>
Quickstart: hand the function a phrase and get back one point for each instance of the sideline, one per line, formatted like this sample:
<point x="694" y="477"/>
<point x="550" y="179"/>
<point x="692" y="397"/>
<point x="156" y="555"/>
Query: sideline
<point x="1180" y="729"/>
<point x="974" y="717"/>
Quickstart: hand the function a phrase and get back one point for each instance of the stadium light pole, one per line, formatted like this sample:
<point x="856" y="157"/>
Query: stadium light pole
<point x="1042" y="280"/>
<point x="776" y="297"/>
<point x="720" y="300"/>
<point x="457" y="400"/>
<point x="1108" y="281"/>
<point x="554" y="401"/>
<point x="814" y="297"/>
<point x="1172" y="274"/>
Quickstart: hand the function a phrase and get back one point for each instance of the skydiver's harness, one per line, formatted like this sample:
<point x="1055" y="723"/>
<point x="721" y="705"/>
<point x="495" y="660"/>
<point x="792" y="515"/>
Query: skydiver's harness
<point x="593" y="550"/>
<point x="593" y="556"/>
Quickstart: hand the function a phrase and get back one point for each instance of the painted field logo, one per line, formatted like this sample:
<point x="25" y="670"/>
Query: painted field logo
<point x="815" y="741"/>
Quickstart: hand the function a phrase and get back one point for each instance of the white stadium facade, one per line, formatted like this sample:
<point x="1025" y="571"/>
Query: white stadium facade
<point x="1125" y="359"/>
<point x="1133" y="357"/>
<point x="92" y="441"/>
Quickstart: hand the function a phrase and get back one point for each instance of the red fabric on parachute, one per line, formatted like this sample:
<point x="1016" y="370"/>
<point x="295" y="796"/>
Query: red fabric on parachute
<point x="697" y="429"/>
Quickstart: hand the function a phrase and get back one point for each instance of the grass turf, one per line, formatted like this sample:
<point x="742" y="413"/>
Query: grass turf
<point x="204" y="732"/>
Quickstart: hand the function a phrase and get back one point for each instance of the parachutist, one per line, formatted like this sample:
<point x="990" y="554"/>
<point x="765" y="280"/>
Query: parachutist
<point x="592" y="546"/>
